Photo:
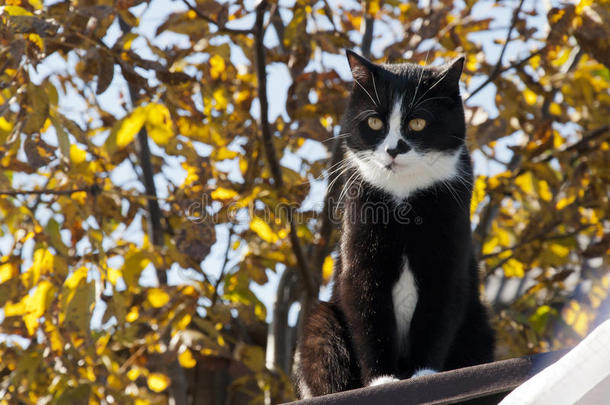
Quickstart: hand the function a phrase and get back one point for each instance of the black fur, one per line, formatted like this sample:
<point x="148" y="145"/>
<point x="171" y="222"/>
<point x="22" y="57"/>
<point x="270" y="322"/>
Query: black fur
<point x="352" y="339"/>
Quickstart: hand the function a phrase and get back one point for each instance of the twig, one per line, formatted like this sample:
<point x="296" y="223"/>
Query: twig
<point x="538" y="237"/>
<point x="498" y="70"/>
<point x="155" y="229"/>
<point x="223" y="269"/>
<point x="221" y="27"/>
<point x="15" y="193"/>
<point x="591" y="135"/>
<point x="268" y="146"/>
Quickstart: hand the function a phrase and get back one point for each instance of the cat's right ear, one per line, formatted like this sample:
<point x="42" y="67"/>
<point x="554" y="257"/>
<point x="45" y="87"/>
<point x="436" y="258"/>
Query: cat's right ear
<point x="362" y="69"/>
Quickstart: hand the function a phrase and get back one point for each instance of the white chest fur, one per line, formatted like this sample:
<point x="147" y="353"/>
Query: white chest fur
<point x="404" y="298"/>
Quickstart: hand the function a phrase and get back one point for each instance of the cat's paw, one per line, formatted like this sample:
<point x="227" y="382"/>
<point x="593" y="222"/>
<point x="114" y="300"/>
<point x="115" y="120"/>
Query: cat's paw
<point x="424" y="371"/>
<point x="382" y="379"/>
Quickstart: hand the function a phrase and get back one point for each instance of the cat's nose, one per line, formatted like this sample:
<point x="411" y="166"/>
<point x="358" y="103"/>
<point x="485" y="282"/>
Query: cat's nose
<point x="400" y="148"/>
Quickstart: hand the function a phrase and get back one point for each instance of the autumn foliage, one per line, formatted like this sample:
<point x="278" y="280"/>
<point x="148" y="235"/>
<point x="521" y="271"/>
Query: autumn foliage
<point x="156" y="170"/>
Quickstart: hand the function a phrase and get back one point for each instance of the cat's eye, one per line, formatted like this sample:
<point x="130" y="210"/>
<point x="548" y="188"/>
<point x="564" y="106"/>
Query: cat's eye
<point x="375" y="123"/>
<point x="417" y="124"/>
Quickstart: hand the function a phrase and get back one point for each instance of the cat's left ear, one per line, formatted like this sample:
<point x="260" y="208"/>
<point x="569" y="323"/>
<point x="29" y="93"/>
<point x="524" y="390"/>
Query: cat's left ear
<point x="362" y="68"/>
<point x="452" y="72"/>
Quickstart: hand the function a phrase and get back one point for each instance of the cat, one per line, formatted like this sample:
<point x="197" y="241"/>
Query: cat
<point x="405" y="297"/>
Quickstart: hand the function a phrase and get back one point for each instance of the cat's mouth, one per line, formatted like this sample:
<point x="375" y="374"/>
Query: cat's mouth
<point x="393" y="166"/>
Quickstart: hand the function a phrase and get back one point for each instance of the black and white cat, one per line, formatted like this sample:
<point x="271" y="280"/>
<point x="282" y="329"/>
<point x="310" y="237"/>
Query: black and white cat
<point x="405" y="299"/>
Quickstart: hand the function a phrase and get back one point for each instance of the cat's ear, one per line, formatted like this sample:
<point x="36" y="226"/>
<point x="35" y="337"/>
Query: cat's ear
<point x="362" y="69"/>
<point x="452" y="71"/>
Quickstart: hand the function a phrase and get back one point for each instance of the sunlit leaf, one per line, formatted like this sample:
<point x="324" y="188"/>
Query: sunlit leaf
<point x="158" y="382"/>
<point x="157" y="297"/>
<point x="186" y="359"/>
<point x="263" y="230"/>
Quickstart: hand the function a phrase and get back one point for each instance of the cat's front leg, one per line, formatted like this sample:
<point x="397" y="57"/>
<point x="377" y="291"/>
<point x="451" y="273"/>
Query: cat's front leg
<point x="372" y="325"/>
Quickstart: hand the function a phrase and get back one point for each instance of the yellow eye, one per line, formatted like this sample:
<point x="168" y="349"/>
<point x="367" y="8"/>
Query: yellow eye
<point x="375" y="123"/>
<point x="417" y="124"/>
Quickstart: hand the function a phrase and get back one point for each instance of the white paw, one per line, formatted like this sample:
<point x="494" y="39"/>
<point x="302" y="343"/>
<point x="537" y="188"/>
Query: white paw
<point x="424" y="371"/>
<point x="383" y="379"/>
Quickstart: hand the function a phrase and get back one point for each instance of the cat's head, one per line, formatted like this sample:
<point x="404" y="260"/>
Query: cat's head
<point x="404" y="124"/>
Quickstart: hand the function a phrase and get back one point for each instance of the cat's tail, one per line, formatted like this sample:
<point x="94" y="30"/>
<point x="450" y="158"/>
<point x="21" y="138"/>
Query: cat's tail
<point x="324" y="360"/>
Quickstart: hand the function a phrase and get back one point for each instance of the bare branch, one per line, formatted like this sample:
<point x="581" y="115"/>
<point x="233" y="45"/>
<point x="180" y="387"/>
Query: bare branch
<point x="498" y="70"/>
<point x="221" y="27"/>
<point x="223" y="269"/>
<point x="267" y="138"/>
<point x="15" y="193"/>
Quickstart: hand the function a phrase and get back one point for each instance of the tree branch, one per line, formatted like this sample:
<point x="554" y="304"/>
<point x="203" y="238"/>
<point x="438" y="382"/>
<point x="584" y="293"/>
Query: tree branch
<point x="223" y="268"/>
<point x="155" y="229"/>
<point x="221" y="27"/>
<point x="269" y="148"/>
<point x="497" y="69"/>
<point x="15" y="193"/>
<point x="591" y="135"/>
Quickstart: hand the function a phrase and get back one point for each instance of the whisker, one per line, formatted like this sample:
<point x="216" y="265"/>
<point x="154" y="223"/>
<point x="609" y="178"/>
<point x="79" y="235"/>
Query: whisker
<point x="375" y="87"/>
<point x="434" y="85"/>
<point x="339" y="136"/>
<point x="419" y="81"/>
<point x="430" y="99"/>
<point x="368" y="94"/>
<point x="362" y="113"/>
<point x="348" y="184"/>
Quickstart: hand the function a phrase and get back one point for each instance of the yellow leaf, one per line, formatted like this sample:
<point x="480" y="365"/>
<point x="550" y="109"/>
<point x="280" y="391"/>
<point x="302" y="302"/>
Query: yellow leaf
<point x="186" y="359"/>
<point x="525" y="183"/>
<point x="221" y="100"/>
<point x="327" y="268"/>
<point x="530" y="96"/>
<point x="560" y="250"/>
<point x="513" y="268"/>
<point x="7" y="271"/>
<point x="241" y="96"/>
<point x="133" y="314"/>
<point x="77" y="155"/>
<point x="263" y="230"/>
<point x="157" y="297"/>
<point x="35" y="38"/>
<point x="260" y="311"/>
<point x="37" y="4"/>
<point x="54" y="337"/>
<point x="114" y="275"/>
<point x="223" y="193"/>
<point x="555" y="109"/>
<point x="183" y="322"/>
<point x="133" y="373"/>
<point x="101" y="343"/>
<point x="217" y="67"/>
<point x="544" y="191"/>
<point x="373" y="7"/>
<point x="159" y="123"/>
<point x="15" y="10"/>
<point x="490" y="245"/>
<point x="504" y="237"/>
<point x="130" y="126"/>
<point x="564" y="202"/>
<point x="478" y="194"/>
<point x="36" y="304"/>
<point x="75" y="278"/>
<point x="14" y="308"/>
<point x="224" y="153"/>
<point x="158" y="382"/>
